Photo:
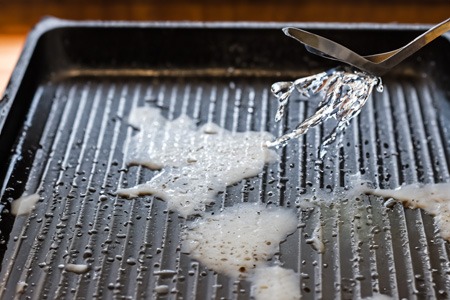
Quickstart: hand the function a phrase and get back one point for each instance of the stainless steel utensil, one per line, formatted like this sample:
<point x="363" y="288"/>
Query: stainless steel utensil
<point x="376" y="64"/>
<point x="345" y="91"/>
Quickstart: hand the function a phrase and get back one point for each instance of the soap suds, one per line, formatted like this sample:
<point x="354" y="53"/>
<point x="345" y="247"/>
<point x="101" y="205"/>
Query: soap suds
<point x="275" y="283"/>
<point x="432" y="198"/>
<point x="77" y="268"/>
<point x="21" y="286"/>
<point x="316" y="240"/>
<point x="196" y="163"/>
<point x="24" y="205"/>
<point x="377" y="296"/>
<point x="240" y="238"/>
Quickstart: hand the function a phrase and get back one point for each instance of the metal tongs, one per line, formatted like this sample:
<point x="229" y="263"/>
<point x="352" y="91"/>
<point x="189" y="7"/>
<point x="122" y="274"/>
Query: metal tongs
<point x="344" y="90"/>
<point x="376" y="64"/>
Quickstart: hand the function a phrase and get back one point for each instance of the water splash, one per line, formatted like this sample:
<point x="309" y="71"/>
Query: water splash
<point x="345" y="91"/>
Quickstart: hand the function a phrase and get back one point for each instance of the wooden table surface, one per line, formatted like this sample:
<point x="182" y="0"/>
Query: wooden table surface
<point x="10" y="48"/>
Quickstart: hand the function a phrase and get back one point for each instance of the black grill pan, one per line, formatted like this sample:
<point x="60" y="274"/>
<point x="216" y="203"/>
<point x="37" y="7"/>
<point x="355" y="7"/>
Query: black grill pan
<point x="63" y="127"/>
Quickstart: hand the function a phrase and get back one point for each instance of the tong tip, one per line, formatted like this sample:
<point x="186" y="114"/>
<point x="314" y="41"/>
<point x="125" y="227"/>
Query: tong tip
<point x="286" y="30"/>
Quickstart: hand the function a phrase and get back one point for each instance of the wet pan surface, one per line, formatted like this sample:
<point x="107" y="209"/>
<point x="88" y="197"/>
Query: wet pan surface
<point x="64" y="129"/>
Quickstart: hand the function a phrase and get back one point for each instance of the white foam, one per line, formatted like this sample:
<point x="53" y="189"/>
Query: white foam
<point x="197" y="163"/>
<point x="433" y="198"/>
<point x="275" y="283"/>
<point x="240" y="238"/>
<point x="24" y="205"/>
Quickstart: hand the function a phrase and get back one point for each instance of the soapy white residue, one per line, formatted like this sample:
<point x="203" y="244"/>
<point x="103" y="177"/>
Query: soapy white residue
<point x="77" y="268"/>
<point x="377" y="296"/>
<point x="275" y="283"/>
<point x="196" y="163"/>
<point x="316" y="240"/>
<point x="433" y="198"/>
<point x="239" y="239"/>
<point x="24" y="205"/>
<point x="21" y="286"/>
<point x="162" y="289"/>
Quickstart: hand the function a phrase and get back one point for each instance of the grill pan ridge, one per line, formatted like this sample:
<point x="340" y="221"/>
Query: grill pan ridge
<point x="64" y="133"/>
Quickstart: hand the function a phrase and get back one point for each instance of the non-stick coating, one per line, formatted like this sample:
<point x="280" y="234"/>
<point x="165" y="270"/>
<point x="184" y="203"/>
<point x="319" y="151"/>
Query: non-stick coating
<point x="65" y="131"/>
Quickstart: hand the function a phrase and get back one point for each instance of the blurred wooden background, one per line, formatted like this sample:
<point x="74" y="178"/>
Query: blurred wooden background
<point x="18" y="16"/>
